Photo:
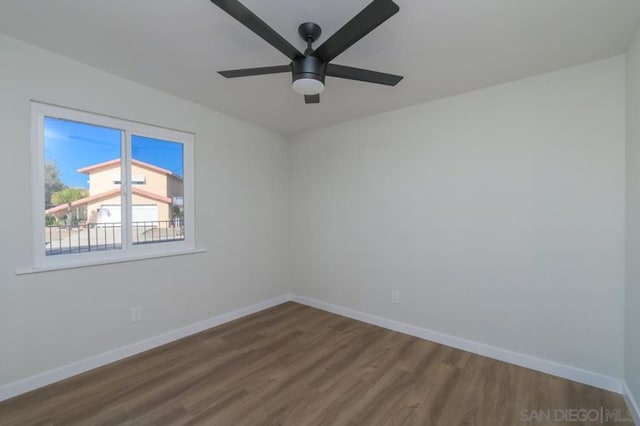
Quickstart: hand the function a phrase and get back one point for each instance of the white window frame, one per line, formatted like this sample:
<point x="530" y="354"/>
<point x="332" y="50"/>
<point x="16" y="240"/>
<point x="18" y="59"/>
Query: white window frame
<point x="129" y="251"/>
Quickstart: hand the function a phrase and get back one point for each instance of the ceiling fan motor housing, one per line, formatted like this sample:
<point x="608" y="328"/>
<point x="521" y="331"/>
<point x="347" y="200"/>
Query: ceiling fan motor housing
<point x="309" y="67"/>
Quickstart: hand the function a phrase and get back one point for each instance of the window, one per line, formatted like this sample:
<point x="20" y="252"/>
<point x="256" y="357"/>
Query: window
<point x="107" y="189"/>
<point x="135" y="180"/>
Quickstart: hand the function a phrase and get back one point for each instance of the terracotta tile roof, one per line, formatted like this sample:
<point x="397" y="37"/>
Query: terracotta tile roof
<point x="116" y="162"/>
<point x="108" y="194"/>
<point x="151" y="195"/>
<point x="83" y="201"/>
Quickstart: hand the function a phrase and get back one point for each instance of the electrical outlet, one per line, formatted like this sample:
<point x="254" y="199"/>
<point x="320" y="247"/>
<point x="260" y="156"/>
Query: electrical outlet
<point x="136" y="314"/>
<point x="395" y="296"/>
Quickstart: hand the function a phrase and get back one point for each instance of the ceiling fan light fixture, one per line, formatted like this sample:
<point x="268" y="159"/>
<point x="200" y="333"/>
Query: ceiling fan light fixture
<point x="308" y="75"/>
<point x="308" y="86"/>
<point x="309" y="69"/>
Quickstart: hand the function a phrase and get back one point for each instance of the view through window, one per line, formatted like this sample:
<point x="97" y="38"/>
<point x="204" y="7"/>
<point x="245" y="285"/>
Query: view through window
<point x="89" y="198"/>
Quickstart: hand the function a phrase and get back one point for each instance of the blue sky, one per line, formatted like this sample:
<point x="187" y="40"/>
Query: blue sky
<point x="75" y="145"/>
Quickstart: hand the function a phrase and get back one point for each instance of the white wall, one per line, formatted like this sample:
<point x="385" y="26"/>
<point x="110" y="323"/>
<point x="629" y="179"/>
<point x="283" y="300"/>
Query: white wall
<point x="632" y="296"/>
<point x="498" y="215"/>
<point x="52" y="319"/>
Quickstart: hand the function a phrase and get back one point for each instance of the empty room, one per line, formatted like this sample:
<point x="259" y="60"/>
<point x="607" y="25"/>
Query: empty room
<point x="364" y="212"/>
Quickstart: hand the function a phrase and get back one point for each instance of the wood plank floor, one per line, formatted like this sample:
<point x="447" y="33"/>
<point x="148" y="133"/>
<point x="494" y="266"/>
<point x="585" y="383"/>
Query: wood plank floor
<point x="295" y="365"/>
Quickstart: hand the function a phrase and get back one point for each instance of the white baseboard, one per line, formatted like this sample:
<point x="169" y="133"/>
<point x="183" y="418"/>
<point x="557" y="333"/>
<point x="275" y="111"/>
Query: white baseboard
<point x="568" y="372"/>
<point x="30" y="383"/>
<point x="632" y="403"/>
<point x="591" y="378"/>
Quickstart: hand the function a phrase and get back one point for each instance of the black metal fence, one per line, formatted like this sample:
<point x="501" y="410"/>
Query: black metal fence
<point x="158" y="231"/>
<point x="62" y="239"/>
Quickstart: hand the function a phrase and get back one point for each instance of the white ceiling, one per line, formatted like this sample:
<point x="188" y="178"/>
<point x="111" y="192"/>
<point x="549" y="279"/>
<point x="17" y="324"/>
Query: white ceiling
<point x="442" y="47"/>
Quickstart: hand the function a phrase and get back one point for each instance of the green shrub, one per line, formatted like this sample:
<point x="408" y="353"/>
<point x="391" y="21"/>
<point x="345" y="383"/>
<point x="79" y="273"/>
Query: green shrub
<point x="50" y="220"/>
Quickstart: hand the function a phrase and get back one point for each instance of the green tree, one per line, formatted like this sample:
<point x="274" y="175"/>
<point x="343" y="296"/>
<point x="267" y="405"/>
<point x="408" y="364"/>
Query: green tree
<point x="52" y="181"/>
<point x="68" y="195"/>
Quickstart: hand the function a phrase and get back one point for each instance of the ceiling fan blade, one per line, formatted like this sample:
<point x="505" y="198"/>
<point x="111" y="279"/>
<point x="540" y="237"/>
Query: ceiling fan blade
<point x="246" y="72"/>
<point x="359" y="74"/>
<point x="311" y="99"/>
<point x="362" y="24"/>
<point x="258" y="26"/>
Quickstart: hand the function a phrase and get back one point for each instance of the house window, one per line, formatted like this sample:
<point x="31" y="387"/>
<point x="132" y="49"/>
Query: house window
<point x="135" y="180"/>
<point x="108" y="189"/>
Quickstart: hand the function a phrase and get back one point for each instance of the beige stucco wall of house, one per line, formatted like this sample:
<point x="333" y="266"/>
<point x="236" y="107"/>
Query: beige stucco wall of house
<point x="156" y="182"/>
<point x="102" y="180"/>
<point x="175" y="186"/>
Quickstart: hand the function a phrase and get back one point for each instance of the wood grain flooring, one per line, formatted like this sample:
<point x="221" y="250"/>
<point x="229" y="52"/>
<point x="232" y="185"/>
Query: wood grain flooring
<point x="295" y="365"/>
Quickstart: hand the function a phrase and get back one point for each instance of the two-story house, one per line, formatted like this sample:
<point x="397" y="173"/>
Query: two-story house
<point x="153" y="192"/>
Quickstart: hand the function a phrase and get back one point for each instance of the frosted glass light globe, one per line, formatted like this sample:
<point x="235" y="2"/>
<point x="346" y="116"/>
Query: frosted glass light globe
<point x="307" y="86"/>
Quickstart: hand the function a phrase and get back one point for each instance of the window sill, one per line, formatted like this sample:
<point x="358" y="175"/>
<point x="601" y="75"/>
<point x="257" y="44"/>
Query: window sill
<point x="37" y="270"/>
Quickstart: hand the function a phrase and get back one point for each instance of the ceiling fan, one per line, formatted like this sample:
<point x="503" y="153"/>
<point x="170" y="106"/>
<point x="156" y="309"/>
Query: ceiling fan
<point x="309" y="69"/>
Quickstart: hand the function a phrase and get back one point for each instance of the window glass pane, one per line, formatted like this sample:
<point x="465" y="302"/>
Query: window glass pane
<point x="157" y="190"/>
<point x="82" y="189"/>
